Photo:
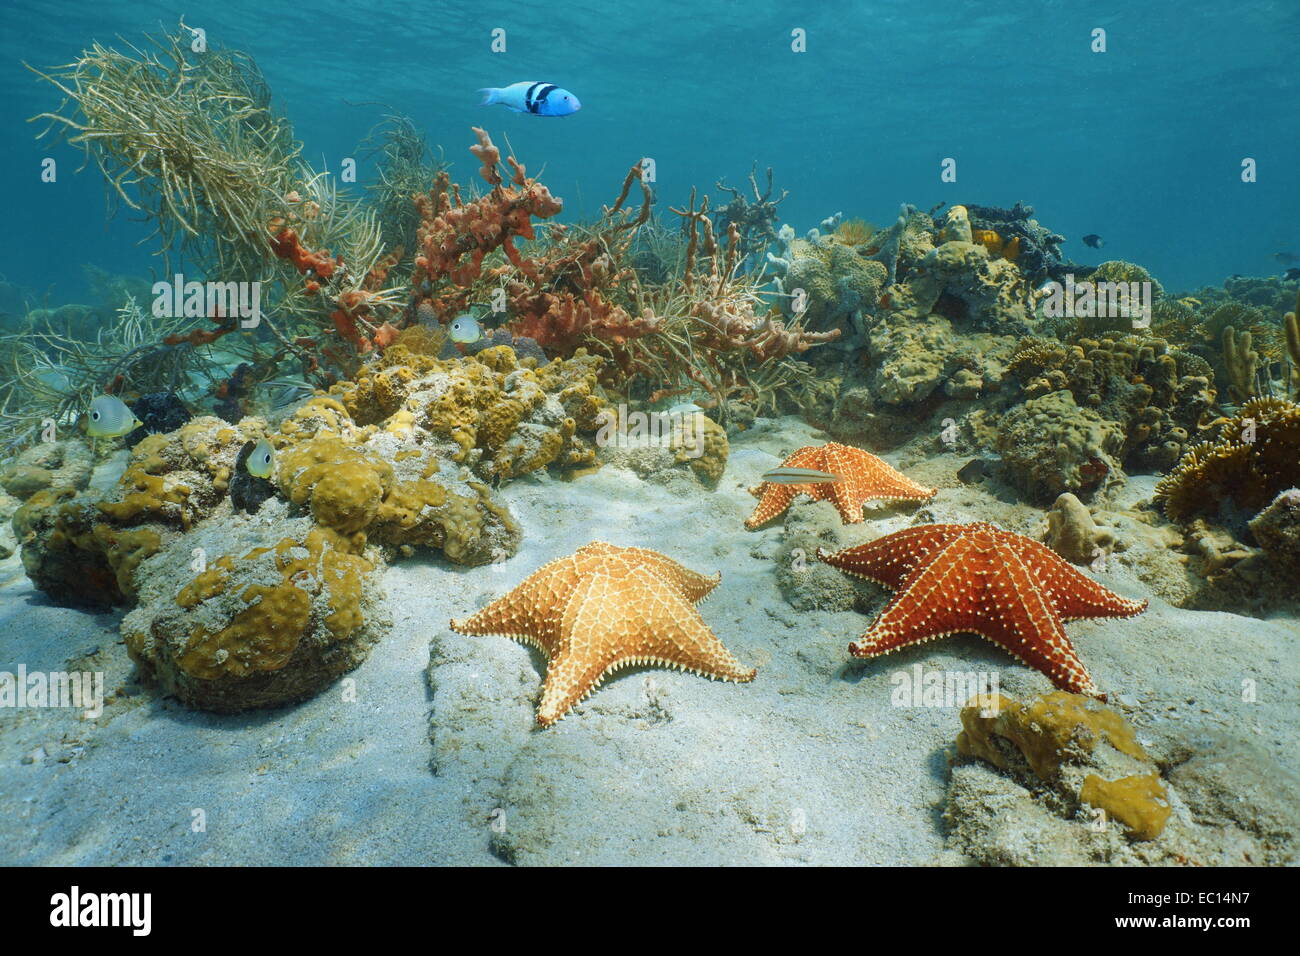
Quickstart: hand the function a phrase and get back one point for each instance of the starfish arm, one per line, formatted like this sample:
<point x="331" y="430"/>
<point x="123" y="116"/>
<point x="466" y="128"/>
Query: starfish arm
<point x="1028" y="625"/>
<point x="940" y="599"/>
<point x="852" y="491"/>
<point x="1074" y="595"/>
<point x="584" y="652"/>
<point x="889" y="560"/>
<point x="690" y="584"/>
<point x="529" y="612"/>
<point x="775" y="498"/>
<point x="847" y="498"/>
<point x="868" y="478"/>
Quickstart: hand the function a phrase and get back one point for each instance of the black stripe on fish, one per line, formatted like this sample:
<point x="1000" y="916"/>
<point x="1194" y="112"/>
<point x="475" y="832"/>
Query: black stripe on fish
<point x="528" y="98"/>
<point x="541" y="96"/>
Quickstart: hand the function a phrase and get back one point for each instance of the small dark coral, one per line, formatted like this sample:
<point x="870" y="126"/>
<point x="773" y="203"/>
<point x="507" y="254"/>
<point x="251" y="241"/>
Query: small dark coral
<point x="158" y="412"/>
<point x="232" y="392"/>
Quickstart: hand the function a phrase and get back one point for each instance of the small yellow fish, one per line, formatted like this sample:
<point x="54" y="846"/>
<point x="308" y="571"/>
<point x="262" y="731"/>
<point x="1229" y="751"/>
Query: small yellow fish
<point x="465" y="329"/>
<point x="260" y="460"/>
<point x="109" y="417"/>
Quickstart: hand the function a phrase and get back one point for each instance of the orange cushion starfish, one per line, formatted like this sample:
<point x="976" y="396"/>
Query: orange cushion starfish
<point x="864" y="477"/>
<point x="977" y="578"/>
<point x="604" y="608"/>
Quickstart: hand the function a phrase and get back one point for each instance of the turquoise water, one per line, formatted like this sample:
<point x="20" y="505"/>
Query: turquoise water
<point x="1141" y="144"/>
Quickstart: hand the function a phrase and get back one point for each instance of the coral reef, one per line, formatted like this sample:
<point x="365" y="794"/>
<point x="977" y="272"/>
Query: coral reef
<point x="1277" y="529"/>
<point x="287" y="600"/>
<point x="914" y="359"/>
<point x="754" y="216"/>
<point x="158" y="412"/>
<point x="962" y="282"/>
<point x="1242" y="363"/>
<point x="502" y="417"/>
<point x="1038" y="249"/>
<point x="1291" y="322"/>
<point x="1160" y="397"/>
<point x="830" y="281"/>
<point x="86" y="548"/>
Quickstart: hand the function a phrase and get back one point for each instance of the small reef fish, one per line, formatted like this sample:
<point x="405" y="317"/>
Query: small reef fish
<point x="465" y="329"/>
<point x="108" y="417"/>
<point x="973" y="471"/>
<point x="250" y="485"/>
<point x="1291" y="274"/>
<point x="799" y="476"/>
<point x="1286" y="258"/>
<point x="1093" y="241"/>
<point x="260" y="459"/>
<point x="540" y="99"/>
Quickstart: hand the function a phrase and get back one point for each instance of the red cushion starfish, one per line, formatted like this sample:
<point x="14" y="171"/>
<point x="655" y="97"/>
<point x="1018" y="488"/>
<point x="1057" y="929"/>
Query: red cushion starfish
<point x="864" y="477"/>
<point x="977" y="578"/>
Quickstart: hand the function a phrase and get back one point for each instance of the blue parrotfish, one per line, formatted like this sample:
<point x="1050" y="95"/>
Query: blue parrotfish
<point x="540" y="99"/>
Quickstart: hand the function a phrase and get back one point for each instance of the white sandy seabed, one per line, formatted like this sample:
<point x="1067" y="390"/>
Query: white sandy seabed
<point x="438" y="759"/>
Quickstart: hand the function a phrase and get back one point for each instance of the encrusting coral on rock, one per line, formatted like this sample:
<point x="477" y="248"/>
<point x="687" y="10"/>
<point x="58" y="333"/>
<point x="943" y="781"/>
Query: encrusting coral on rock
<point x="1050" y="446"/>
<point x="1087" y="754"/>
<point x="286" y="608"/>
<point x="1277" y="529"/>
<point x="394" y="461"/>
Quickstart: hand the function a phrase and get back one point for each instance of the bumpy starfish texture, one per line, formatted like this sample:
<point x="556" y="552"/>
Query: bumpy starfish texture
<point x="864" y="478"/>
<point x="977" y="578"/>
<point x="603" y="608"/>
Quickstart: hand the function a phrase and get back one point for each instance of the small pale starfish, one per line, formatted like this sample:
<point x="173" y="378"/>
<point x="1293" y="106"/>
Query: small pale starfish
<point x="603" y="608"/>
<point x="978" y="579"/>
<point x="863" y="478"/>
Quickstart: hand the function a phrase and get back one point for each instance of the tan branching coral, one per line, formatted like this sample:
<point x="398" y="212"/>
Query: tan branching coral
<point x="1291" y="322"/>
<point x="1242" y="363"/>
